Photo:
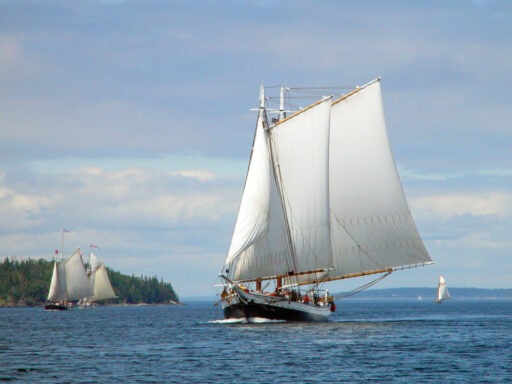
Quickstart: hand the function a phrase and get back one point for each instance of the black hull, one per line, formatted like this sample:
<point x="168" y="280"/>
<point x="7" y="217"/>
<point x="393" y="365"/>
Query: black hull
<point x="240" y="310"/>
<point x="55" y="307"/>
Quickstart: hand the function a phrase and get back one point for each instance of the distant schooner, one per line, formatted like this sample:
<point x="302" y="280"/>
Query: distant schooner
<point x="322" y="201"/>
<point x="69" y="282"/>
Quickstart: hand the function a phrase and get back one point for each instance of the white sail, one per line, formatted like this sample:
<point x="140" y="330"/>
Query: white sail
<point x="100" y="286"/>
<point x="254" y="211"/>
<point x="268" y="255"/>
<point x="300" y="146"/>
<point x="94" y="262"/>
<point x="371" y="224"/>
<point x="291" y="281"/>
<point x="303" y="178"/>
<point x="77" y="281"/>
<point x="61" y="272"/>
<point x="57" y="287"/>
<point x="259" y="246"/>
<point x="442" y="291"/>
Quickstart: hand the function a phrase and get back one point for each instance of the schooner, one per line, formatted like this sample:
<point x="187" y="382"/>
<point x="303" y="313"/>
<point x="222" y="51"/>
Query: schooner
<point x="69" y="282"/>
<point x="322" y="201"/>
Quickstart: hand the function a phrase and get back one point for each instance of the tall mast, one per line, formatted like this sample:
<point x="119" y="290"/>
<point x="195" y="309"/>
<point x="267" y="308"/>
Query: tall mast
<point x="262" y="99"/>
<point x="282" y="114"/>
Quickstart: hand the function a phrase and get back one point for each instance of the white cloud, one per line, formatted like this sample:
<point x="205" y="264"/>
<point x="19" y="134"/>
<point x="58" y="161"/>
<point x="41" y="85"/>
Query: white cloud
<point x="450" y="205"/>
<point x="20" y="211"/>
<point x="92" y="197"/>
<point x="200" y="175"/>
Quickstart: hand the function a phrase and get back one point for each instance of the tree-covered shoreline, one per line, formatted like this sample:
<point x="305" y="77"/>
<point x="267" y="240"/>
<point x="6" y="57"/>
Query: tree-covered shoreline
<point x="25" y="283"/>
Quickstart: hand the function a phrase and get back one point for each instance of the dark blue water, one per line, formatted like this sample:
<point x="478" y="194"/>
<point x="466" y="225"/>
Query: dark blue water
<point x="366" y="341"/>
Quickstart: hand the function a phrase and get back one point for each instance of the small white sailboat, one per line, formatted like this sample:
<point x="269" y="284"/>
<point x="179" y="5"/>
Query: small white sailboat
<point x="322" y="201"/>
<point x="442" y="291"/>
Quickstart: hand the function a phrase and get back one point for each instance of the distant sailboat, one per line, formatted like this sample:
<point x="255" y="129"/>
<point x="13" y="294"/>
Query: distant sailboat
<point x="442" y="291"/>
<point x="322" y="201"/>
<point x="69" y="282"/>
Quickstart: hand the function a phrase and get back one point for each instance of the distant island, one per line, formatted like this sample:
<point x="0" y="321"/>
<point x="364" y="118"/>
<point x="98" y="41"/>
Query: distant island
<point x="25" y="283"/>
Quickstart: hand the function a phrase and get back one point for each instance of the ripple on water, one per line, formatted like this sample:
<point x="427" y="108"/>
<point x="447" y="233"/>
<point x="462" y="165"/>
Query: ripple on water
<point x="363" y="342"/>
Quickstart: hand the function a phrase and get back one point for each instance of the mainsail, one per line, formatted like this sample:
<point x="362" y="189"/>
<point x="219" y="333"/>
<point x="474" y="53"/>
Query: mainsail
<point x="77" y="281"/>
<point x="322" y="198"/>
<point x="371" y="225"/>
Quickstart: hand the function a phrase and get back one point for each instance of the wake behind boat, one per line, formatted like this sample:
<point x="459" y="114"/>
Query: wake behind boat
<point x="322" y="201"/>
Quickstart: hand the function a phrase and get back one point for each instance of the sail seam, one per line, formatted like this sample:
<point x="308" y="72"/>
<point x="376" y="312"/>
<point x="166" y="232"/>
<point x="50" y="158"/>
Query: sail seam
<point x="355" y="241"/>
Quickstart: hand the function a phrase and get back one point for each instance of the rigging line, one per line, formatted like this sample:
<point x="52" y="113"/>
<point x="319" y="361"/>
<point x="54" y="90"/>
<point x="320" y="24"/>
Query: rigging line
<point x="328" y="87"/>
<point x="355" y="241"/>
<point x="276" y="98"/>
<point x="316" y="91"/>
<point x="342" y="295"/>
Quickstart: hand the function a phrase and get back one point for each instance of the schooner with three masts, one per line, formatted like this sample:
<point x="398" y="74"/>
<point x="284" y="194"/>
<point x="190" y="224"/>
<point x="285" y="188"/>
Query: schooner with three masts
<point x="322" y="201"/>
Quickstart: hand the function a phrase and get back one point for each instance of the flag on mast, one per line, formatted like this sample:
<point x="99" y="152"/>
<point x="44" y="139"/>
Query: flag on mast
<point x="94" y="246"/>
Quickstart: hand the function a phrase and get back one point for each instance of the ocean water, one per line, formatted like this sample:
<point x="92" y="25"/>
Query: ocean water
<point x="364" y="342"/>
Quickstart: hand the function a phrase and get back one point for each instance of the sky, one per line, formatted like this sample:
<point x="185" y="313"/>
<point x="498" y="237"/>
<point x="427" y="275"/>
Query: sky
<point x="128" y="123"/>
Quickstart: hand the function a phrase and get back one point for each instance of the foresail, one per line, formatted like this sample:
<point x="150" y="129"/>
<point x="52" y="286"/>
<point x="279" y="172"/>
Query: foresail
<point x="77" y="281"/>
<point x="371" y="225"/>
<point x="269" y="255"/>
<point x="253" y="215"/>
<point x="56" y="292"/>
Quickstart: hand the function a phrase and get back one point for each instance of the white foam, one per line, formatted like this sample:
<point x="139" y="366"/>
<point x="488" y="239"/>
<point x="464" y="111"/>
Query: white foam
<point x="229" y="321"/>
<point x="243" y="320"/>
<point x="261" y="320"/>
